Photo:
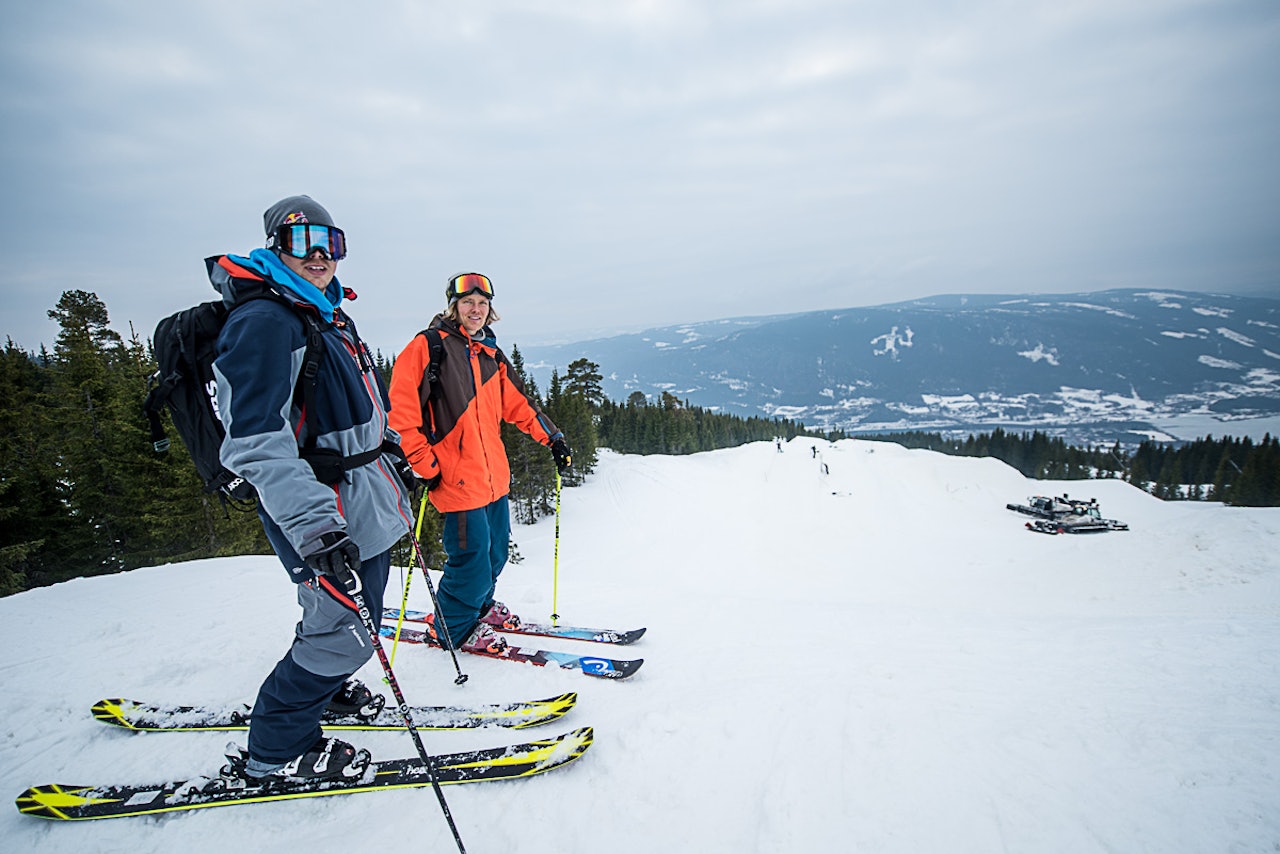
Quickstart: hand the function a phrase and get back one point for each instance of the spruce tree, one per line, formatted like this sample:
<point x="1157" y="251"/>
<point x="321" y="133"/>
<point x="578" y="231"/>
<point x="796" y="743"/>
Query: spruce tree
<point x="30" y="513"/>
<point x="575" y="413"/>
<point x="583" y="380"/>
<point x="80" y="395"/>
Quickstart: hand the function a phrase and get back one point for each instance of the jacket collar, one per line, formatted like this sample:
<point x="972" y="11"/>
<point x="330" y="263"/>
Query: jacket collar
<point x="266" y="264"/>
<point x="486" y="337"/>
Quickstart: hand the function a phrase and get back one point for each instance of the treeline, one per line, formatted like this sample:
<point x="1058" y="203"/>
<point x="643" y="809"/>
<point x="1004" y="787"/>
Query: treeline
<point x="83" y="493"/>
<point x="1230" y="470"/>
<point x="669" y="426"/>
<point x="569" y="403"/>
<point x="1036" y="454"/>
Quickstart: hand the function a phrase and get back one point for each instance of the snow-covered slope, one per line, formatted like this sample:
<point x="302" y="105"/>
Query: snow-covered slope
<point x="878" y="658"/>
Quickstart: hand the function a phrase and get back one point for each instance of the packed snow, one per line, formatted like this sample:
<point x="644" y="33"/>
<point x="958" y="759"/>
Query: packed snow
<point x="852" y="647"/>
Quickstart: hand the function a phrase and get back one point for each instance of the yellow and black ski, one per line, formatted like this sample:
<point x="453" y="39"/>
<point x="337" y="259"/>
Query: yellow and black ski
<point x="78" y="803"/>
<point x="157" y="717"/>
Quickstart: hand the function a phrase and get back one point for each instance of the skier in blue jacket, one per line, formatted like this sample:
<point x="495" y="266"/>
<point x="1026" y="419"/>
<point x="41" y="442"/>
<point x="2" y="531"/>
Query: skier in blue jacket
<point x="323" y="521"/>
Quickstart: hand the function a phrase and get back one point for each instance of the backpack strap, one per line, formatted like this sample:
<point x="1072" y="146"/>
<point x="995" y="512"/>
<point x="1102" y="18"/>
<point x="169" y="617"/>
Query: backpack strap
<point x="430" y="390"/>
<point x="329" y="466"/>
<point x="158" y="392"/>
<point x="308" y="377"/>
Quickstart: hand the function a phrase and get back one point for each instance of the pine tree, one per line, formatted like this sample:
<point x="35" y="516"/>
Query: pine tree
<point x="80" y="403"/>
<point x="583" y="380"/>
<point x="575" y="413"/>
<point x="30" y="513"/>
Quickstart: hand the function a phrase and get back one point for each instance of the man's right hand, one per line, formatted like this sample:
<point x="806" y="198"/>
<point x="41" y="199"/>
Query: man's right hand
<point x="337" y="555"/>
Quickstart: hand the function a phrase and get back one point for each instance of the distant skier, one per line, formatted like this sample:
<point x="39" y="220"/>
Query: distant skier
<point x="450" y="416"/>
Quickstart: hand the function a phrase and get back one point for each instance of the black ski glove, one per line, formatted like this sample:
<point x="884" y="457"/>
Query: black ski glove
<point x="434" y="482"/>
<point x="564" y="457"/>
<point x="337" y="556"/>
<point x="407" y="475"/>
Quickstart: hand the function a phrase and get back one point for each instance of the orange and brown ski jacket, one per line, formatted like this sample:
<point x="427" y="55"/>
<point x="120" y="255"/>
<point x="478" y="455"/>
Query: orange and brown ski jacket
<point x="457" y="432"/>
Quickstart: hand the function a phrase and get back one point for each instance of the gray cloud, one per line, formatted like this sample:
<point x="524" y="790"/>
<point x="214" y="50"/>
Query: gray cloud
<point x="634" y="163"/>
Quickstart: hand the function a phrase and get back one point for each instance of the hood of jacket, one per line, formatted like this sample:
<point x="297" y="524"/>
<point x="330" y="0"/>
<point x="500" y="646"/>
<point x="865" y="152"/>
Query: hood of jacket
<point x="265" y="263"/>
<point x="485" y="336"/>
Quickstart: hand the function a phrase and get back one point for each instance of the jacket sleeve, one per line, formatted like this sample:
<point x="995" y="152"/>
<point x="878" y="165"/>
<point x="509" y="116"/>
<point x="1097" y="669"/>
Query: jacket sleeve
<point x="406" y="407"/>
<point x="260" y="353"/>
<point x="519" y="410"/>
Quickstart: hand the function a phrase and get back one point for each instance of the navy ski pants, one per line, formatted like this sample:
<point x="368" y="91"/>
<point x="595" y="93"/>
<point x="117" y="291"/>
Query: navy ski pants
<point x="329" y="645"/>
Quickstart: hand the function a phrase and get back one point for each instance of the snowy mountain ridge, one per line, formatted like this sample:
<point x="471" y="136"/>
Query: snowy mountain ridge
<point x="1111" y="363"/>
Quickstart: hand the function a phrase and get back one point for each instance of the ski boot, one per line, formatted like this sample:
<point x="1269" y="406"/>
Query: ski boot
<point x="484" y="640"/>
<point x="354" y="698"/>
<point x="500" y="617"/>
<point x="328" y="759"/>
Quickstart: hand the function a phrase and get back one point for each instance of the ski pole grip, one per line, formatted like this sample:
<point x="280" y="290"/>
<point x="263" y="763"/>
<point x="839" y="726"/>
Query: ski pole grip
<point x="349" y="580"/>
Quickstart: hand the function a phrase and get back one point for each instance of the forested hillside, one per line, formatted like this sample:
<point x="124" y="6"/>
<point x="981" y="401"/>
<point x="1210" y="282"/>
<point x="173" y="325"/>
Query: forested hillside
<point x="82" y="491"/>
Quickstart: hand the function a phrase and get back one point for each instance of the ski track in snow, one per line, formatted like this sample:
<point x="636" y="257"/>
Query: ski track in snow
<point x="878" y="658"/>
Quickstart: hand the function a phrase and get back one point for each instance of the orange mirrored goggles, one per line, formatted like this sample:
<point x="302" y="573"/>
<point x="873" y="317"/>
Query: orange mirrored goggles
<point x="465" y="283"/>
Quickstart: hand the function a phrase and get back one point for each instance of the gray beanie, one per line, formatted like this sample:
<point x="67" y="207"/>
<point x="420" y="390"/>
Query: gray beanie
<point x="295" y="209"/>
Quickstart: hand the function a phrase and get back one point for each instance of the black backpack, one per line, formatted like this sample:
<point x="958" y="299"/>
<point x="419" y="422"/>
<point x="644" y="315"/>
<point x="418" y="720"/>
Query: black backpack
<point x="185" y="346"/>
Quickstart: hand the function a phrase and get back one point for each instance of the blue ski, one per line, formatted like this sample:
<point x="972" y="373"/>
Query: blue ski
<point x="543" y="630"/>
<point x="605" y="668"/>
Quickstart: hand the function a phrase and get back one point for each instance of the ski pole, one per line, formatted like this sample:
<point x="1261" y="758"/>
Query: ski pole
<point x="404" y="597"/>
<point x="555" y="572"/>
<point x="351" y="581"/>
<point x="404" y="603"/>
<point x="435" y="602"/>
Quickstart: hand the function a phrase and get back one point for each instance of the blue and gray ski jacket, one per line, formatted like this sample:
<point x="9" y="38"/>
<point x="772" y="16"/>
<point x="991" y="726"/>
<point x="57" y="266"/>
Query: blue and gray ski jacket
<point x="260" y="354"/>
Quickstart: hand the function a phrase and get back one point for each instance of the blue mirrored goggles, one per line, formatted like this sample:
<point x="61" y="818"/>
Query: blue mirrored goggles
<point x="302" y="239"/>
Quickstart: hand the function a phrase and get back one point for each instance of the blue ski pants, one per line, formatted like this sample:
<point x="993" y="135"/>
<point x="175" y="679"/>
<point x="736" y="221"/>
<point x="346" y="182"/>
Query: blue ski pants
<point x="476" y="542"/>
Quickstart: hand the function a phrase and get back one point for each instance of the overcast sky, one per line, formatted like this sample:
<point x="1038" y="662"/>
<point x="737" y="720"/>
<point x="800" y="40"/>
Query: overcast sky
<point x="623" y="163"/>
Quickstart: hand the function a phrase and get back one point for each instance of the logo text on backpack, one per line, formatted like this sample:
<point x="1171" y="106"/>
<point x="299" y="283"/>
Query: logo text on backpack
<point x="211" y="389"/>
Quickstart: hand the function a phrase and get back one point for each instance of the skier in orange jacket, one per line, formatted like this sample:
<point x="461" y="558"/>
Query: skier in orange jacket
<point x="449" y="415"/>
